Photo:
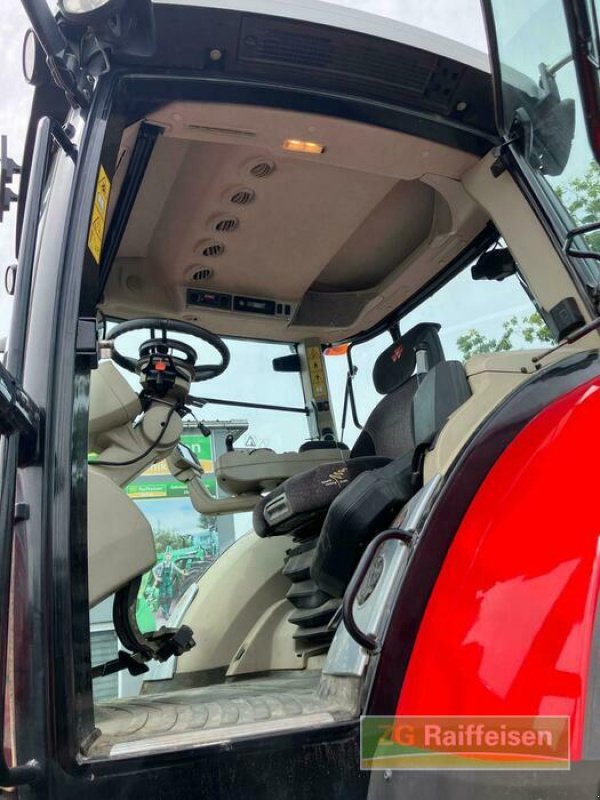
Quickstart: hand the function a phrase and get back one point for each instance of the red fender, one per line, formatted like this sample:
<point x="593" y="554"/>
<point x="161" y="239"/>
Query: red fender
<point x="509" y="624"/>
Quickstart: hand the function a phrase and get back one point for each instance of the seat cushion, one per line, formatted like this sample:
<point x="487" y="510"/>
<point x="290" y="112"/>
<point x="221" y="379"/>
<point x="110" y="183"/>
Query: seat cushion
<point x="303" y="500"/>
<point x="365" y="509"/>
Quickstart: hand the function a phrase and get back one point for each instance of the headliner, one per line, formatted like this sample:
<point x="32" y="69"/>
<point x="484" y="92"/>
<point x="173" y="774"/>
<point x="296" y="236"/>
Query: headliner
<point x="343" y="238"/>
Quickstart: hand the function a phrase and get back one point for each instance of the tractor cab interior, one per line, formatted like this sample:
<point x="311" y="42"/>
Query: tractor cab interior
<point x="308" y="273"/>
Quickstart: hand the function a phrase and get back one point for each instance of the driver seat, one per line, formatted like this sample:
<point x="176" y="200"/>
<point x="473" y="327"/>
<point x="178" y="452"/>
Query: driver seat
<point x="299" y="505"/>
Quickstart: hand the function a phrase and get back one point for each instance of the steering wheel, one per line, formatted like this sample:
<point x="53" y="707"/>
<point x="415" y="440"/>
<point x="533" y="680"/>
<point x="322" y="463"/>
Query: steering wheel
<point x="162" y="345"/>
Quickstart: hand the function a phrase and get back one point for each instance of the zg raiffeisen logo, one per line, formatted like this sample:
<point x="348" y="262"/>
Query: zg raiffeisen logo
<point x="457" y="742"/>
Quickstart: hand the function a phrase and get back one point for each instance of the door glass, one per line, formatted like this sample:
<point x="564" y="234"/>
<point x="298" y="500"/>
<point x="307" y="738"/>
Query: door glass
<point x="475" y="317"/>
<point x="541" y="104"/>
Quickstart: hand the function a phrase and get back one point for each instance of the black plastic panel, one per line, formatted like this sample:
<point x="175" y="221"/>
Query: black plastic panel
<point x="291" y="54"/>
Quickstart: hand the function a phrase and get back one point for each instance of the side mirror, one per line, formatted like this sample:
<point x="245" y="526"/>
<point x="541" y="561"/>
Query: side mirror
<point x="495" y="265"/>
<point x="289" y="363"/>
<point x="555" y="126"/>
<point x="546" y="123"/>
<point x="120" y="26"/>
<point x="8" y="169"/>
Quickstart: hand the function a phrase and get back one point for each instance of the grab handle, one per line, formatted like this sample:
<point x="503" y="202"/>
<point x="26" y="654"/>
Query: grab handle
<point x="370" y="642"/>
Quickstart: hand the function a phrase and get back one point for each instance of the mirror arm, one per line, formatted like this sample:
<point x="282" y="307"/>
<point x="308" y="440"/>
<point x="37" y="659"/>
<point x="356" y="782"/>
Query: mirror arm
<point x="62" y="62"/>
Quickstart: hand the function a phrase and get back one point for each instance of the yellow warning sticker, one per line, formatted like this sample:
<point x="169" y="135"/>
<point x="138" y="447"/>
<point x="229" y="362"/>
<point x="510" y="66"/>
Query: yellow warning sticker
<point x="317" y="373"/>
<point x="99" y="210"/>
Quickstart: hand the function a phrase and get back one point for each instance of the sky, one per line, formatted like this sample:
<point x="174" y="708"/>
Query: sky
<point x="456" y="19"/>
<point x="460" y="20"/>
<point x="461" y="305"/>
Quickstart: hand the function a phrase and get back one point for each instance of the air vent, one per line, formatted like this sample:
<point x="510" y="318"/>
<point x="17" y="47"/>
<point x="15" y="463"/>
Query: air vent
<point x="214" y="249"/>
<point x="241" y="197"/>
<point x="202" y="274"/>
<point x="226" y="224"/>
<point x="210" y="248"/>
<point x="261" y="169"/>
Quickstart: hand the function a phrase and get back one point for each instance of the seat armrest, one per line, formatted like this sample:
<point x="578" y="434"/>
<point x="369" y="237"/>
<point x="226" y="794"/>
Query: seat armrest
<point x="255" y="471"/>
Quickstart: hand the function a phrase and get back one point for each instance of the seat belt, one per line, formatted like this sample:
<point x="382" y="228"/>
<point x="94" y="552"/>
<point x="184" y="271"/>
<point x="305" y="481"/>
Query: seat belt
<point x="349" y="399"/>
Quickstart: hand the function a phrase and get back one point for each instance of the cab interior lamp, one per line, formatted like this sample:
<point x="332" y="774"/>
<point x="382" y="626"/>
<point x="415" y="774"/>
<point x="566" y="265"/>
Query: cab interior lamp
<point x="301" y="146"/>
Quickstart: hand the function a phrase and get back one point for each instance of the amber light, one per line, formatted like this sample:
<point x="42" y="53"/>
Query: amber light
<point x="299" y="146"/>
<point x="337" y="349"/>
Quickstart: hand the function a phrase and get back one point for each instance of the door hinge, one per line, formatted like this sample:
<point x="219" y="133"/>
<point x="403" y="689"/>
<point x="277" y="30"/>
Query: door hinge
<point x="86" y="345"/>
<point x="501" y="161"/>
<point x="22" y="512"/>
<point x="19" y="414"/>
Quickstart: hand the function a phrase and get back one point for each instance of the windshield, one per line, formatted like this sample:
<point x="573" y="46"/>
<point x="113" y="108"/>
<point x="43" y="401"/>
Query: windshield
<point x="540" y="92"/>
<point x="460" y="20"/>
<point x="249" y="378"/>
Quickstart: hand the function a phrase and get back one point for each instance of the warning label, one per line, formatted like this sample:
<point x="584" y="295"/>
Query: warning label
<point x="317" y="373"/>
<point x="98" y="219"/>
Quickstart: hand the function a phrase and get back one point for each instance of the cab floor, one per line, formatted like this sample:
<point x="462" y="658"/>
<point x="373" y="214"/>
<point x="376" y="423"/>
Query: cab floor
<point x="196" y="717"/>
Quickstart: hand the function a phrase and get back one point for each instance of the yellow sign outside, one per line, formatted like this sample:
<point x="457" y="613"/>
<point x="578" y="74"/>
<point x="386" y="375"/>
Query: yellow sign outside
<point x="98" y="219"/>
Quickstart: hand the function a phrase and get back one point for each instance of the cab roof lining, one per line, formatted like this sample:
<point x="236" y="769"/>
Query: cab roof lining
<point x="343" y="237"/>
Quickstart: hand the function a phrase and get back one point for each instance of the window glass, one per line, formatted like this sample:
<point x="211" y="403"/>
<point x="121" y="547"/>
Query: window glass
<point x="482" y="317"/>
<point x="363" y="359"/>
<point x="540" y="89"/>
<point x="249" y="378"/>
<point x="476" y="316"/>
<point x="435" y="16"/>
<point x="187" y="542"/>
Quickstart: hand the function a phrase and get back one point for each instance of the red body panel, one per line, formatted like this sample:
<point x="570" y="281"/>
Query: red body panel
<point x="508" y="626"/>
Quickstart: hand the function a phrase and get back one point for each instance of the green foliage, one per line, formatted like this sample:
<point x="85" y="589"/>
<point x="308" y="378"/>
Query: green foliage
<point x="581" y="197"/>
<point x="531" y="328"/>
<point x="163" y="538"/>
<point x="207" y="522"/>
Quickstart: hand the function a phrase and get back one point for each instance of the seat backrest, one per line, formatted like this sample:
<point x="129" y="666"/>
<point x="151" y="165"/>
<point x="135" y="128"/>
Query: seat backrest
<point x="367" y="505"/>
<point x="442" y="390"/>
<point x="388" y="430"/>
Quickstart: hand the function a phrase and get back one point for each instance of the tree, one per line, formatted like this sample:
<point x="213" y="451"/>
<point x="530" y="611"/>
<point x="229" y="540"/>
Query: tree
<point x="530" y="328"/>
<point x="164" y="537"/>
<point x="581" y="198"/>
<point x="207" y="522"/>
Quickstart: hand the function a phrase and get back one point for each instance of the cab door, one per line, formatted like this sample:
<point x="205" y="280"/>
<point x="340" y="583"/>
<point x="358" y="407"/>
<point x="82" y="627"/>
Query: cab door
<point x="545" y="80"/>
<point x="545" y="70"/>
